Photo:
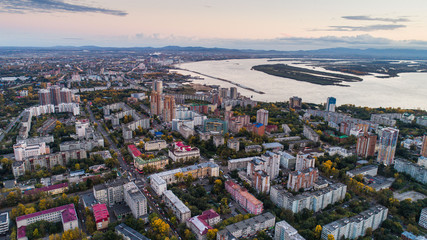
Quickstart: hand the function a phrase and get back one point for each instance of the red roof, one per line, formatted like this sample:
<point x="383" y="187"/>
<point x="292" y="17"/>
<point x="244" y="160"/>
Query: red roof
<point x="61" y="208"/>
<point x="208" y="214"/>
<point x="46" y="189"/>
<point x="100" y="212"/>
<point x="135" y="152"/>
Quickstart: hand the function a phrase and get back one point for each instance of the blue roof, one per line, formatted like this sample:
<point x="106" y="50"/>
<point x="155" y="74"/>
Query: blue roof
<point x="409" y="235"/>
<point x="258" y="125"/>
<point x="158" y="133"/>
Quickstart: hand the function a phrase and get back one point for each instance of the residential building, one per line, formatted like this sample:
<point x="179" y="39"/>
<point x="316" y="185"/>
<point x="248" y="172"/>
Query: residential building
<point x="366" y="145"/>
<point x="135" y="200"/>
<point x="239" y="163"/>
<point x="65" y="214"/>
<point x="304" y="161"/>
<point x="261" y="181"/>
<point x="218" y="140"/>
<point x="111" y="192"/>
<point x="356" y="226"/>
<point x="248" y="227"/>
<point x="262" y="117"/>
<point x="158" y="86"/>
<point x="233" y="144"/>
<point x="23" y="150"/>
<point x="215" y="125"/>
<point x="257" y="128"/>
<point x="274" y="146"/>
<point x="422" y="161"/>
<point x="387" y="119"/>
<point x="200" y="224"/>
<point x="182" y="153"/>
<point x="244" y="198"/>
<point x="302" y="179"/>
<point x="365" y="170"/>
<point x="48" y="161"/>
<point x="410" y="236"/>
<point x="424" y="147"/>
<point x="233" y="92"/>
<point x="55" y="95"/>
<point x="52" y="189"/>
<point x="178" y="208"/>
<point x="253" y="148"/>
<point x="101" y="216"/>
<point x="295" y="103"/>
<point x="154" y="163"/>
<point x="387" y="145"/>
<point x="81" y="127"/>
<point x="66" y="95"/>
<point x="423" y="218"/>
<point x="338" y="150"/>
<point x="156" y="103"/>
<point x="4" y="222"/>
<point x="128" y="233"/>
<point x="284" y="231"/>
<point x="168" y="108"/>
<point x="159" y="181"/>
<point x="419" y="173"/>
<point x="44" y="97"/>
<point x="310" y="134"/>
<point x="272" y="163"/>
<point x="331" y="102"/>
<point x="311" y="200"/>
<point x="155" y="145"/>
<point x="287" y="160"/>
<point x="134" y="152"/>
<point x="88" y="145"/>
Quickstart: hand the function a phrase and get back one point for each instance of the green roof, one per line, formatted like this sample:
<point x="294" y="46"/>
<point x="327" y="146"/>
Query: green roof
<point x="141" y="161"/>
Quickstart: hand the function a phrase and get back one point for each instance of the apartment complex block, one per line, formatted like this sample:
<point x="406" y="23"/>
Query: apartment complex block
<point x="244" y="198"/>
<point x="262" y="116"/>
<point x="23" y="150"/>
<point x="156" y="163"/>
<point x="302" y="179"/>
<point x="284" y="231"/>
<point x="423" y="218"/>
<point x="356" y="226"/>
<point x="155" y="145"/>
<point x="65" y="214"/>
<point x="419" y="173"/>
<point x="178" y="208"/>
<point x="128" y="233"/>
<point x="366" y="145"/>
<point x="304" y="161"/>
<point x="365" y="170"/>
<point x="182" y="153"/>
<point x="387" y="145"/>
<point x="101" y="215"/>
<point x="159" y="181"/>
<point x="111" y="192"/>
<point x="313" y="200"/>
<point x="248" y="227"/>
<point x="136" y="201"/>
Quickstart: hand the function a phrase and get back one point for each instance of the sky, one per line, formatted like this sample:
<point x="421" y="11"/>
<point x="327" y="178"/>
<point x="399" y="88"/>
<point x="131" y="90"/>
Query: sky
<point x="239" y="24"/>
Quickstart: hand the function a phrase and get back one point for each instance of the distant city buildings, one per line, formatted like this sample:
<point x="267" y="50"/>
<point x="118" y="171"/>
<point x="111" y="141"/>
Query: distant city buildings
<point x="424" y="147"/>
<point x="356" y="226"/>
<point x="310" y="134"/>
<point x="331" y="102"/>
<point x="387" y="145"/>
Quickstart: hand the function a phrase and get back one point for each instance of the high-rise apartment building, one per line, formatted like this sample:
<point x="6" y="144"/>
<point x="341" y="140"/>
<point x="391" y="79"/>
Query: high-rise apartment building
<point x="156" y="103"/>
<point x="158" y="86"/>
<point x="387" y="145"/>
<point x="304" y="161"/>
<point x="44" y="97"/>
<point x="55" y="95"/>
<point x="424" y="147"/>
<point x="169" y="108"/>
<point x="302" y="179"/>
<point x="233" y="92"/>
<point x="66" y="95"/>
<point x="262" y="116"/>
<point x="295" y="103"/>
<point x="223" y="92"/>
<point x="330" y="104"/>
<point x="136" y="201"/>
<point x="366" y="145"/>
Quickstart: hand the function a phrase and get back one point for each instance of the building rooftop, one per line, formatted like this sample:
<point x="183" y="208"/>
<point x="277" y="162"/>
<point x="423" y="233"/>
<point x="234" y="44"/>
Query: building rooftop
<point x="100" y="212"/>
<point x="68" y="213"/>
<point x="176" y="201"/>
<point x="130" y="233"/>
<point x="142" y="161"/>
<point x="46" y="189"/>
<point x="134" y="151"/>
<point x="272" y="145"/>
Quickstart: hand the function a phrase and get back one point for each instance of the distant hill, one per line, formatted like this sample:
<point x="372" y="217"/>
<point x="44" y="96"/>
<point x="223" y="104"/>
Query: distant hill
<point x="346" y="53"/>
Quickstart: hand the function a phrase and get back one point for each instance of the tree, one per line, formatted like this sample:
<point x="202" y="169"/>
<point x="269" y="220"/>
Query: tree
<point x="77" y="166"/>
<point x="318" y="231"/>
<point x="331" y="237"/>
<point x="413" y="229"/>
<point x="211" y="234"/>
<point x="369" y="231"/>
<point x="36" y="233"/>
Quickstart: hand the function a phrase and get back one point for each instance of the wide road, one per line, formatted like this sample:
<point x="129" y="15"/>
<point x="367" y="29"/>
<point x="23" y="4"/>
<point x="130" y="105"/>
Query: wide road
<point x="123" y="165"/>
<point x="11" y="124"/>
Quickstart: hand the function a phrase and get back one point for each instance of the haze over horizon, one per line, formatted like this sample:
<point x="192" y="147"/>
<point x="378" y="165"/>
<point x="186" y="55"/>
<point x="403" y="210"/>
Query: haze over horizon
<point x="260" y="25"/>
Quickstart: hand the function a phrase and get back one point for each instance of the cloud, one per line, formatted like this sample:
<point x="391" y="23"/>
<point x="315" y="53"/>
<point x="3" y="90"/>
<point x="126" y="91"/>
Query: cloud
<point x="369" y="18"/>
<point x="48" y="6"/>
<point x="368" y="28"/>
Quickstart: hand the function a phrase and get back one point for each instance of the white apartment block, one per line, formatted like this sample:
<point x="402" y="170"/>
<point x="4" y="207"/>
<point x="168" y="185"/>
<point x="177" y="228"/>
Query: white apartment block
<point x="178" y="208"/>
<point x="423" y="218"/>
<point x="304" y="161"/>
<point x="356" y="226"/>
<point x="23" y="150"/>
<point x="135" y="200"/>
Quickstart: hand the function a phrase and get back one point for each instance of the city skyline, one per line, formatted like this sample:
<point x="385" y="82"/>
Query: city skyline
<point x="276" y="25"/>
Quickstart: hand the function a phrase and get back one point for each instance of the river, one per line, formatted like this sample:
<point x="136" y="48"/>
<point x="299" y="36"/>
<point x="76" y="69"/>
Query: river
<point x="409" y="90"/>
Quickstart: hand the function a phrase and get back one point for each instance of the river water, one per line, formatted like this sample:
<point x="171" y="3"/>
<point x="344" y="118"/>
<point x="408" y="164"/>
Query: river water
<point x="409" y="90"/>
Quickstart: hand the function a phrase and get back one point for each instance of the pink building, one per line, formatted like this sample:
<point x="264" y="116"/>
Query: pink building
<point x="244" y="198"/>
<point x="134" y="151"/>
<point x="202" y="223"/>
